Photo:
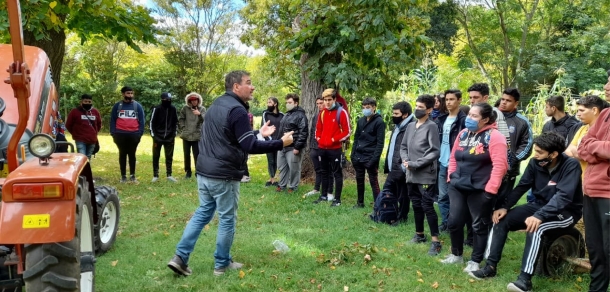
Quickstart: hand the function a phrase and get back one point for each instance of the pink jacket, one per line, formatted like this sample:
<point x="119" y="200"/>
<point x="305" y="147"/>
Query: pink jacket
<point x="594" y="148"/>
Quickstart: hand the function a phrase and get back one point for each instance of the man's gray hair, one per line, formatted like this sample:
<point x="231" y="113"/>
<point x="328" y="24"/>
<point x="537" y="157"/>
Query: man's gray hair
<point x="234" y="77"/>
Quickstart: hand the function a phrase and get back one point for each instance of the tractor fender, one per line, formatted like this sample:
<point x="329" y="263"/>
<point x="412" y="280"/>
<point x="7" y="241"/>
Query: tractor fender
<point x="42" y="220"/>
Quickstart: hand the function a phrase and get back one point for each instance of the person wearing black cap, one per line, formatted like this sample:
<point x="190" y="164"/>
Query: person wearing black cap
<point x="163" y="126"/>
<point x="84" y="122"/>
<point x="126" y="128"/>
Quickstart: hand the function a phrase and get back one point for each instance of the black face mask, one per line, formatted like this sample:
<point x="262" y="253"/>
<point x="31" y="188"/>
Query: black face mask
<point x="420" y="113"/>
<point x="128" y="98"/>
<point x="397" y="120"/>
<point x="271" y="108"/>
<point x="87" y="106"/>
<point x="166" y="102"/>
<point x="546" y="162"/>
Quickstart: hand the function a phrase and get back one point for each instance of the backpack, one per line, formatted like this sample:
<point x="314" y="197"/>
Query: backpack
<point x="385" y="209"/>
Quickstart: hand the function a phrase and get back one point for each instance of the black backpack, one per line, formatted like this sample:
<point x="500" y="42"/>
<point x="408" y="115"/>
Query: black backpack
<point x="386" y="208"/>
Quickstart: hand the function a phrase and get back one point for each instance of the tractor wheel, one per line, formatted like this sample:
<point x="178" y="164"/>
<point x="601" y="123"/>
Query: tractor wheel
<point x="555" y="246"/>
<point x="65" y="266"/>
<point x="109" y="211"/>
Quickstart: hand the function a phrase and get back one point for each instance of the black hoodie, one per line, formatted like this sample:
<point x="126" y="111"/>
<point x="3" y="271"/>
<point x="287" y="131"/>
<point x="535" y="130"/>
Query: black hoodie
<point x="368" y="139"/>
<point x="295" y="120"/>
<point x="164" y="123"/>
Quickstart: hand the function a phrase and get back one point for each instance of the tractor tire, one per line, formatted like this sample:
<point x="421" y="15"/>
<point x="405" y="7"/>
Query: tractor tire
<point x="555" y="246"/>
<point x="109" y="213"/>
<point x="65" y="266"/>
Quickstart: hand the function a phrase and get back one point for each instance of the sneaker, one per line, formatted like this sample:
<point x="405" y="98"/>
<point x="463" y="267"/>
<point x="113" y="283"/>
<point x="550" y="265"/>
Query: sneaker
<point x="336" y="203"/>
<point x="245" y="179"/>
<point x="311" y="193"/>
<point x="154" y="179"/>
<point x="268" y="184"/>
<point x="330" y="197"/>
<point x="188" y="176"/>
<point x="469" y="242"/>
<point x="453" y="259"/>
<point x="319" y="200"/>
<point x="172" y="179"/>
<point x="417" y="238"/>
<point x="275" y="184"/>
<point x="123" y="179"/>
<point x="520" y="285"/>
<point x="435" y="248"/>
<point x="358" y="206"/>
<point x="179" y="267"/>
<point x="133" y="179"/>
<point x="471" y="267"/>
<point x="442" y="227"/>
<point x="231" y="266"/>
<point x="487" y="272"/>
<point x="280" y="189"/>
<point x="292" y="190"/>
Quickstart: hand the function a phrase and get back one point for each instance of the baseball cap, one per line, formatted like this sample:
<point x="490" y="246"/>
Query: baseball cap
<point x="166" y="95"/>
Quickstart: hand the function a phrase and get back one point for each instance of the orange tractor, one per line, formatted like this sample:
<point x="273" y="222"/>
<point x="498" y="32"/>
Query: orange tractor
<point x="53" y="220"/>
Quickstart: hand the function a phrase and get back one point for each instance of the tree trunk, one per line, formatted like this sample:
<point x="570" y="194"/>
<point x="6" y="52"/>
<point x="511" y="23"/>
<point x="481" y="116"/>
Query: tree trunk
<point x="310" y="90"/>
<point x="54" y="46"/>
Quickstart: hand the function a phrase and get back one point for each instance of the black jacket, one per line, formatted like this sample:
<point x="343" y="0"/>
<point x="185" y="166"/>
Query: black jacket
<point x="555" y="192"/>
<point x="313" y="143"/>
<point x="295" y="120"/>
<point x="369" y="139"/>
<point x="457" y="126"/>
<point x="164" y="123"/>
<point x="521" y="140"/>
<point x="561" y="127"/>
<point x="275" y="120"/>
<point x="396" y="161"/>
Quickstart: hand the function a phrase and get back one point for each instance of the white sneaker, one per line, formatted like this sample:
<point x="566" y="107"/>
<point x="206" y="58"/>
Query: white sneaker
<point x="471" y="267"/>
<point x="453" y="259"/>
<point x="155" y="179"/>
<point x="311" y="193"/>
<point x="172" y="179"/>
<point x="330" y="197"/>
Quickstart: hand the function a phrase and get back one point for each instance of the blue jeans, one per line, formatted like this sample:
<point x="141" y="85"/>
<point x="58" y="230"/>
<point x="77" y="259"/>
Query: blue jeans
<point x="214" y="194"/>
<point x="84" y="148"/>
<point x="443" y="198"/>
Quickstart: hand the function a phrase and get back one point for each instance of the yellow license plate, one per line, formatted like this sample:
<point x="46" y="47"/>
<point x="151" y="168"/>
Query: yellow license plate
<point x="36" y="221"/>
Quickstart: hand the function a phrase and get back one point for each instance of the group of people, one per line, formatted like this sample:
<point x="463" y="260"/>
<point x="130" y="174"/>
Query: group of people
<point x="468" y="163"/>
<point x="127" y="119"/>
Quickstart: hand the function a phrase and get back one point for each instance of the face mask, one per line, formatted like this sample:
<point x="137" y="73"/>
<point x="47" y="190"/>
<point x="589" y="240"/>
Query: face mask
<point x="166" y="102"/>
<point x="420" y="113"/>
<point x="290" y="106"/>
<point x="472" y="125"/>
<point x="332" y="107"/>
<point x="271" y="108"/>
<point x="544" y="162"/>
<point x="397" y="120"/>
<point x="367" y="112"/>
<point x="87" y="106"/>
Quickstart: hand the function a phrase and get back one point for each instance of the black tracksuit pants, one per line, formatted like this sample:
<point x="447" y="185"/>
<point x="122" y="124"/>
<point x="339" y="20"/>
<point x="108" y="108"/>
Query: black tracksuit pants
<point x="168" y="147"/>
<point x="480" y="206"/>
<point x="397" y="185"/>
<point x="361" y="171"/>
<point x="330" y="160"/>
<point x="187" y="146"/>
<point x="515" y="220"/>
<point x="597" y="237"/>
<point x="314" y="154"/>
<point x="423" y="198"/>
<point x="127" y="145"/>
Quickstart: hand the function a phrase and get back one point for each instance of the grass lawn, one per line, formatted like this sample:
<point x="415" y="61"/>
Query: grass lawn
<point x="328" y="245"/>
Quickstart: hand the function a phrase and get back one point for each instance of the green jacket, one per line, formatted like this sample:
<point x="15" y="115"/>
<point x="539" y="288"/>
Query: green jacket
<point x="189" y="124"/>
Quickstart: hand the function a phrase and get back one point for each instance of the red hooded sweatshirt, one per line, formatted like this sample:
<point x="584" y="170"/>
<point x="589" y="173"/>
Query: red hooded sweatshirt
<point x="84" y="125"/>
<point x="594" y="148"/>
<point x="330" y="132"/>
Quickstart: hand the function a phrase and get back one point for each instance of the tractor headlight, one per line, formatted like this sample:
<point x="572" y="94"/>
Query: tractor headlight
<point x="41" y="145"/>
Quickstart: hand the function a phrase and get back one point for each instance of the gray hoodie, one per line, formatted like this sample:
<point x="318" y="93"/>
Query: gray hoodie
<point x="189" y="124"/>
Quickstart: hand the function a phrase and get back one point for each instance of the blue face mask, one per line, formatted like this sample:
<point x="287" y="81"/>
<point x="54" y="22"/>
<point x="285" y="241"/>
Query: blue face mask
<point x="472" y="125"/>
<point x="367" y="112"/>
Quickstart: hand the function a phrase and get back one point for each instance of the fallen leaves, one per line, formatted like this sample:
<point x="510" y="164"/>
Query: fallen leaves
<point x="345" y="288"/>
<point x="435" y="285"/>
<point x="113" y="263"/>
<point x="242" y="274"/>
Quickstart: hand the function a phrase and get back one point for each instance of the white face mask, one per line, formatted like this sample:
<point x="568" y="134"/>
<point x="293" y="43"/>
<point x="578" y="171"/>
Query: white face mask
<point x="289" y="106"/>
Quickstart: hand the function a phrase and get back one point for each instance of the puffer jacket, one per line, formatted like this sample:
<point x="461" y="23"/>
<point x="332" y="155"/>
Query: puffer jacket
<point x="295" y="120"/>
<point x="189" y="124"/>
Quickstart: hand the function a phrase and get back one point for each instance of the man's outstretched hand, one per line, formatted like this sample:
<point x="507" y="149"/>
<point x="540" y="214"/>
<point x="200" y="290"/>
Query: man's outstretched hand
<point x="287" y="138"/>
<point x="267" y="130"/>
